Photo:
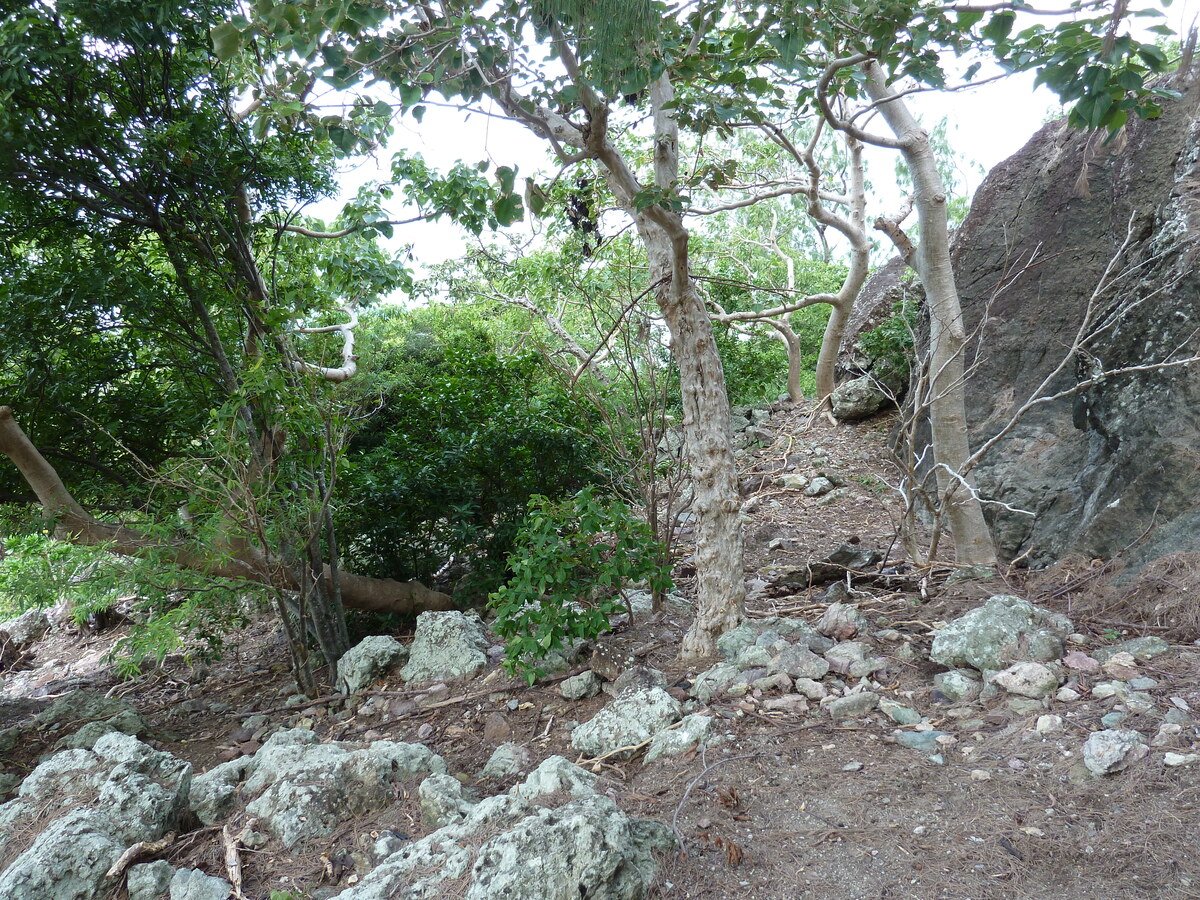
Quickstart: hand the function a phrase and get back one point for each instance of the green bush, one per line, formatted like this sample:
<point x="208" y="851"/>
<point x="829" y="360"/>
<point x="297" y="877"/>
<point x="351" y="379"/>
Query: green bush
<point x="571" y="561"/>
<point x="436" y="481"/>
<point x="890" y="345"/>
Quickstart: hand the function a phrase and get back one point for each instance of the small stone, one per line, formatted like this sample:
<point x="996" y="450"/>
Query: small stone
<point x="841" y="656"/>
<point x="1144" y="683"/>
<point x="424" y="732"/>
<point x="1105" y="689"/>
<point x="1112" y="750"/>
<point x="1028" y="679"/>
<point x="1144" y="648"/>
<point x="818" y="487"/>
<point x="854" y="766"/>
<point x="811" y="689"/>
<point x="1121" y="666"/>
<point x="1113" y="719"/>
<point x="1168" y="733"/>
<point x="691" y="731"/>
<point x="507" y="759"/>
<point x="957" y="686"/>
<point x="1081" y="662"/>
<point x="1066" y="695"/>
<point x="791" y="704"/>
<point x="792" y="482"/>
<point x="898" y="712"/>
<point x="799" y="662"/>
<point x="1180" y="759"/>
<point x="586" y="684"/>
<point x="841" y="622"/>
<point x="1049" y="724"/>
<point x="253" y="840"/>
<point x="852" y="706"/>
<point x="923" y="741"/>
<point x="1025" y="706"/>
<point x="981" y="775"/>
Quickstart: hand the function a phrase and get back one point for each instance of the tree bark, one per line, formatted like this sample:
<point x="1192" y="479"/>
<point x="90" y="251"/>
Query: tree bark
<point x="931" y="260"/>
<point x="74" y="523"/>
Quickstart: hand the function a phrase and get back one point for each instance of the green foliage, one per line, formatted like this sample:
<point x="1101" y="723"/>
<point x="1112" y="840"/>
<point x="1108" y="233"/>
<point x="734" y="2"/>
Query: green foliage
<point x="459" y="438"/>
<point x="39" y="571"/>
<point x="571" y="561"/>
<point x="890" y="345"/>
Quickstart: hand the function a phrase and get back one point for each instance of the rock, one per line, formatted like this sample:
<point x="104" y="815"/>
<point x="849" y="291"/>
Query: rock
<point x="841" y="657"/>
<point x="1004" y="630"/>
<point x="1113" y="719"/>
<point x="585" y="684"/>
<point x="1121" y="666"/>
<point x="1028" y="679"/>
<point x="79" y="707"/>
<point x="94" y="804"/>
<point x="556" y="775"/>
<point x="859" y="398"/>
<point x="631" y="718"/>
<point x="1049" y="724"/>
<point x="818" y="487"/>
<point x="447" y="645"/>
<point x="27" y="628"/>
<point x="792" y="482"/>
<point x="851" y="706"/>
<point x="714" y="682"/>
<point x="638" y="678"/>
<point x="193" y="884"/>
<point x="811" y="689"/>
<point x="847" y="558"/>
<point x="369" y="659"/>
<point x="834" y="497"/>
<point x="444" y="801"/>
<point x="507" y="759"/>
<point x="128" y="721"/>
<point x="691" y="732"/>
<point x="798" y="662"/>
<point x="898" y="712"/>
<point x="303" y="789"/>
<point x="149" y="881"/>
<point x="1168" y="733"/>
<point x="1145" y="648"/>
<point x="841" y="622"/>
<point x="1025" y="706"/>
<point x="1081" y="662"/>
<point x="508" y="847"/>
<point x="1180" y="759"/>
<point x="778" y="683"/>
<point x="1066" y="695"/>
<point x="1112" y="750"/>
<point x="958" y="686"/>
<point x="791" y="704"/>
<point x="1142" y="684"/>
<point x="923" y="741"/>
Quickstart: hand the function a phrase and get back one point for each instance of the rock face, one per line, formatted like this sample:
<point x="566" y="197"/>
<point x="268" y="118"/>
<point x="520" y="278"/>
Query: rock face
<point x="101" y="801"/>
<point x="1099" y="468"/>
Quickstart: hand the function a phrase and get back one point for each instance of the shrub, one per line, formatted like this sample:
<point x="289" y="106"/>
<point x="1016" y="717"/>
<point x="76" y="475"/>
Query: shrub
<point x="572" y="559"/>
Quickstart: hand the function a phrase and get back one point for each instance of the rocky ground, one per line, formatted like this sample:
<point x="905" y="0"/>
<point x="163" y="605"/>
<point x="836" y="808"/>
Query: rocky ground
<point x="865" y="735"/>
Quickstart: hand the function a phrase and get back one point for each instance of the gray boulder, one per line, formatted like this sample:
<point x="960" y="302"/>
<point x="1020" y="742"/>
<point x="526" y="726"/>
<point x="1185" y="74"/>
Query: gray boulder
<point x="798" y="662"/>
<point x="193" y="884"/>
<point x="97" y="804"/>
<point x="1028" y="679"/>
<point x="508" y="846"/>
<point x="1112" y="750"/>
<point x="579" y="687"/>
<point x="444" y="800"/>
<point x="26" y="628"/>
<point x="149" y="881"/>
<point x="507" y="759"/>
<point x="692" y="731"/>
<point x="859" y="398"/>
<point x="302" y="789"/>
<point x="369" y="659"/>
<point x="447" y="645"/>
<point x="1003" y="631"/>
<point x="632" y="718"/>
<point x="715" y="681"/>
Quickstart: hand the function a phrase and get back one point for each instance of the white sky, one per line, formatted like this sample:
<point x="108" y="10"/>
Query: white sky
<point x="987" y="125"/>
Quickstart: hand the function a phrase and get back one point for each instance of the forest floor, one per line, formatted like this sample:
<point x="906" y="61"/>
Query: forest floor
<point x="786" y="806"/>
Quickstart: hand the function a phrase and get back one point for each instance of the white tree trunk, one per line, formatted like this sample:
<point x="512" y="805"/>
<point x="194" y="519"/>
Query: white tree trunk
<point x="947" y="410"/>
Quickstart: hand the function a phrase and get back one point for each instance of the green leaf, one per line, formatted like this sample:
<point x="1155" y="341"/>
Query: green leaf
<point x="507" y="177"/>
<point x="999" y="26"/>
<point x="226" y="40"/>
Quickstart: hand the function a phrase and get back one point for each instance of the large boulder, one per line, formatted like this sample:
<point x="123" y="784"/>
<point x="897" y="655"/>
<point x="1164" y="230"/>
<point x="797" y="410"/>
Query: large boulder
<point x="515" y="845"/>
<point x="26" y="628"/>
<point x="96" y="804"/>
<point x="1003" y="631"/>
<point x="631" y="719"/>
<point x="370" y="658"/>
<point x="303" y="789"/>
<point x="447" y="645"/>
<point x="1111" y="468"/>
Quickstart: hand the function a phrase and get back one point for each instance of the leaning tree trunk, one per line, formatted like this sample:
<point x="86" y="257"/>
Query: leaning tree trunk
<point x="75" y="524"/>
<point x="947" y="408"/>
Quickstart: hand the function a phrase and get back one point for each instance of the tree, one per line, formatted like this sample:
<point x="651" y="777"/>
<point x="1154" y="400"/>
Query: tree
<point x="118" y="134"/>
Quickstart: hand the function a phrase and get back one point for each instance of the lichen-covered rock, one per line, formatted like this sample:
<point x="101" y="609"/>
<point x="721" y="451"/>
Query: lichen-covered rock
<point x="1028" y="679"/>
<point x="632" y="718"/>
<point x="1112" y="750"/>
<point x="859" y="398"/>
<point x="1004" y="630"/>
<point x="798" y="662"/>
<point x="194" y="884"/>
<point x="149" y="881"/>
<point x="443" y="800"/>
<point x="26" y="628"/>
<point x="509" y="847"/>
<point x="715" y="681"/>
<point x="852" y="706"/>
<point x="302" y="789"/>
<point x="127" y="721"/>
<point x="581" y="686"/>
<point x="507" y="759"/>
<point x="692" y="731"/>
<point x="958" y="685"/>
<point x="841" y="622"/>
<point x="98" y="803"/>
<point x="369" y="659"/>
<point x="447" y="645"/>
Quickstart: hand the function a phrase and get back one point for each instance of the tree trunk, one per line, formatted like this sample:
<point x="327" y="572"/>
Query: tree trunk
<point x="73" y="523"/>
<point x="947" y="410"/>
